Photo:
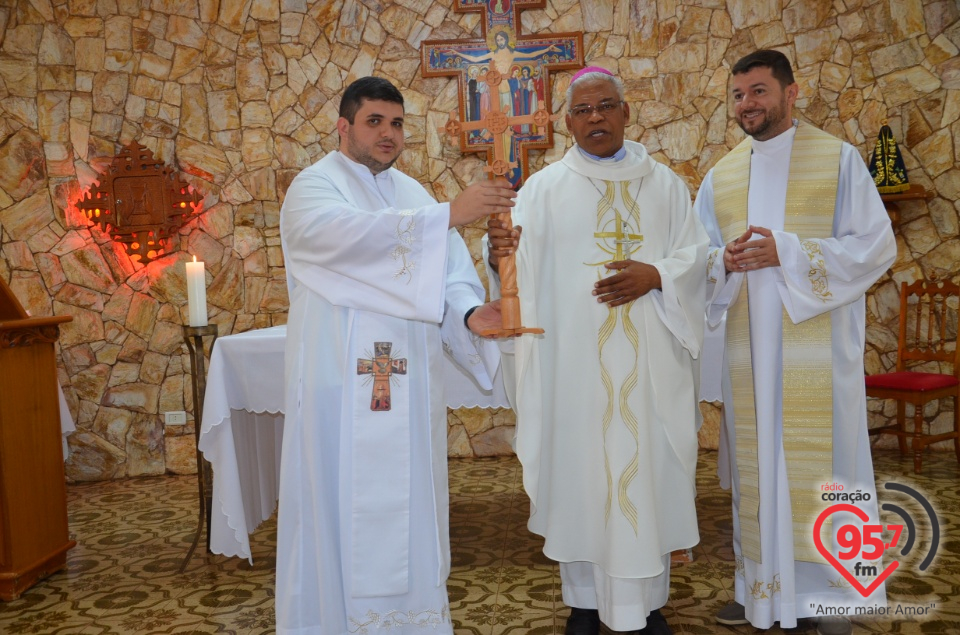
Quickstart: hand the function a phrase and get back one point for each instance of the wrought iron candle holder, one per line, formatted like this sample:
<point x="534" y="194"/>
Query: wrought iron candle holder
<point x="193" y="335"/>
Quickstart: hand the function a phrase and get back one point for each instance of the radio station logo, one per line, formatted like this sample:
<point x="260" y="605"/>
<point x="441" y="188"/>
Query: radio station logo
<point x="864" y="548"/>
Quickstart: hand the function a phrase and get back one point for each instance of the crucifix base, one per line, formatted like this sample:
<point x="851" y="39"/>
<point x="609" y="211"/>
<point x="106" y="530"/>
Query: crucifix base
<point x="498" y="333"/>
<point x="510" y="312"/>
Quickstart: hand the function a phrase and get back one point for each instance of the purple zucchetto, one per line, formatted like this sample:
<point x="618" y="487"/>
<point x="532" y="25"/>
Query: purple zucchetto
<point x="590" y="69"/>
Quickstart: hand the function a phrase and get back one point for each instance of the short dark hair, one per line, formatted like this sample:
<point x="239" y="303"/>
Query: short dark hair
<point x="776" y="61"/>
<point x="372" y="88"/>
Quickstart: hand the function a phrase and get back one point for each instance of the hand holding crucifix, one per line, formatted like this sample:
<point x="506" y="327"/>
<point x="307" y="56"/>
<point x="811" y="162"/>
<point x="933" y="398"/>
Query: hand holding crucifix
<point x="494" y="198"/>
<point x="500" y="125"/>
<point x="482" y="199"/>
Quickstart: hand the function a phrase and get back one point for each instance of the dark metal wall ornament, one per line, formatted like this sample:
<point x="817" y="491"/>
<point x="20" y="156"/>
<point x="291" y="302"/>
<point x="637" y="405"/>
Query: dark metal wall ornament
<point x="140" y="202"/>
<point x="503" y="83"/>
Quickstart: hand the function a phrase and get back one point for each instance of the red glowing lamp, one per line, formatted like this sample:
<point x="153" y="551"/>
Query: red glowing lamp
<point x="140" y="202"/>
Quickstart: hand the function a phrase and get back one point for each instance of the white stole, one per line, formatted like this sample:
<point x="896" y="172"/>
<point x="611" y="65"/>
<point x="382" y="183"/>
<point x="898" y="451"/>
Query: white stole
<point x="381" y="470"/>
<point x="380" y="479"/>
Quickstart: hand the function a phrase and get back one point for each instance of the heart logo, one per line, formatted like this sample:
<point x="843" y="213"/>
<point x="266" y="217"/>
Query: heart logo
<point x="862" y="515"/>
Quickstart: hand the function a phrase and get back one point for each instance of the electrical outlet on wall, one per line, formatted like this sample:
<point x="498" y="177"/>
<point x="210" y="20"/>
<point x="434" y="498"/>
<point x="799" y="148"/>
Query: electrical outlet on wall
<point x="175" y="418"/>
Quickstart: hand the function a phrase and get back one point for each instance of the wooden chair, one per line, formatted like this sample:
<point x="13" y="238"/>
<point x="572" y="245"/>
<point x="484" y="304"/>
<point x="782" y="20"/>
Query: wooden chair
<point x="928" y="338"/>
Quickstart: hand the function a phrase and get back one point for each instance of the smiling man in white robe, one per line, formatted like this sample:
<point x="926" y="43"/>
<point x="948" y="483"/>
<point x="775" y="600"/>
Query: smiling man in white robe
<point x="380" y="283"/>
<point x="609" y="263"/>
<point x="794" y="217"/>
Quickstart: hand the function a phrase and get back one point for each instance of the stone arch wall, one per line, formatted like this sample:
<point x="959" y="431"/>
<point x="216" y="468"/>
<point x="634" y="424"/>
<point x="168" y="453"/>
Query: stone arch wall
<point x="242" y="95"/>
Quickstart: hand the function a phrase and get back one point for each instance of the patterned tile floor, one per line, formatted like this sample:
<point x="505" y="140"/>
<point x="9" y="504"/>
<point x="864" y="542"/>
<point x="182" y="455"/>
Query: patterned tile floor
<point x="132" y="534"/>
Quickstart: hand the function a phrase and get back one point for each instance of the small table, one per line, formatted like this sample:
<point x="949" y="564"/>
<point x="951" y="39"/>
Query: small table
<point x="242" y="430"/>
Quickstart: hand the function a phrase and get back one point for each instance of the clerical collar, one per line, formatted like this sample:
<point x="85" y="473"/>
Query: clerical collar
<point x="618" y="156"/>
<point x="364" y="170"/>
<point x="776" y="143"/>
<point x="779" y="144"/>
<point x="382" y="181"/>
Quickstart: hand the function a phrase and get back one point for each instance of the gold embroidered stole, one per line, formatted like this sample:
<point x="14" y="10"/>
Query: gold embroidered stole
<point x="807" y="347"/>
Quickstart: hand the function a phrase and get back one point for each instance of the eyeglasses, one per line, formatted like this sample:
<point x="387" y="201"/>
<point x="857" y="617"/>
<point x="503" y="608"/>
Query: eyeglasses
<point x="604" y="109"/>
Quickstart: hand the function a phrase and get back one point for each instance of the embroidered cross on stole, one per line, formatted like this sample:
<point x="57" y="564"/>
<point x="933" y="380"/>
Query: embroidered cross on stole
<point x="621" y="248"/>
<point x="381" y="366"/>
<point x="807" y="347"/>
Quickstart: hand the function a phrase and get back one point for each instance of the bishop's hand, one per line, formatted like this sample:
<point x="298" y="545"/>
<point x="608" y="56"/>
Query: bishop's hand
<point x="503" y="239"/>
<point x="632" y="280"/>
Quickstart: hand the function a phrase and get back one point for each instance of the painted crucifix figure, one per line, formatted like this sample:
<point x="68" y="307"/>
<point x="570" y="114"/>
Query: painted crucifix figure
<point x="503" y="72"/>
<point x="504" y="95"/>
<point x="381" y="367"/>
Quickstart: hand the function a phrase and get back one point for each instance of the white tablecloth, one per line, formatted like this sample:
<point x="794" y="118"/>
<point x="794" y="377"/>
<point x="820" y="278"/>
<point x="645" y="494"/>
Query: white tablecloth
<point x="243" y="428"/>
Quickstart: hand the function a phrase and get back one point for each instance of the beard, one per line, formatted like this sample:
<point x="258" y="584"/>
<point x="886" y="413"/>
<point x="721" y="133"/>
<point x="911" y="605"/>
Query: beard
<point x="363" y="156"/>
<point x="772" y="119"/>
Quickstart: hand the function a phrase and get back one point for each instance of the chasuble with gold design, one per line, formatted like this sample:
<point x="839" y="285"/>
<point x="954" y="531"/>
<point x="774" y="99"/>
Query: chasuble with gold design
<point x="605" y="399"/>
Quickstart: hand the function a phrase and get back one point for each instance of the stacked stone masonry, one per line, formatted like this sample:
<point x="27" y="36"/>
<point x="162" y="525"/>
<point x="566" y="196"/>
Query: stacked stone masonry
<point x="241" y="95"/>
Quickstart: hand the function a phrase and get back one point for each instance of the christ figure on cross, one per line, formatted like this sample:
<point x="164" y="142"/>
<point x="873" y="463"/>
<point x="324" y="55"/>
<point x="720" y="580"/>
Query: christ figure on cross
<point x="502" y="57"/>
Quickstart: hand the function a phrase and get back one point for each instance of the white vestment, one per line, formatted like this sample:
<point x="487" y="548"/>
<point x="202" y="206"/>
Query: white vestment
<point x="859" y="251"/>
<point x="605" y="398"/>
<point x="372" y="270"/>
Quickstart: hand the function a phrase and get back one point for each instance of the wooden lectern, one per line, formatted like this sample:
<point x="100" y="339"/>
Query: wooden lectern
<point x="33" y="494"/>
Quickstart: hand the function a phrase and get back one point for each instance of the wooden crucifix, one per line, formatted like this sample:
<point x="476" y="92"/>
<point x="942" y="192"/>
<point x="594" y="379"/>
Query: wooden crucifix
<point x="504" y="96"/>
<point x="381" y="367"/>
<point x="499" y="124"/>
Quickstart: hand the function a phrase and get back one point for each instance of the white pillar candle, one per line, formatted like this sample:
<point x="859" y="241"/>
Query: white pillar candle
<point x="196" y="293"/>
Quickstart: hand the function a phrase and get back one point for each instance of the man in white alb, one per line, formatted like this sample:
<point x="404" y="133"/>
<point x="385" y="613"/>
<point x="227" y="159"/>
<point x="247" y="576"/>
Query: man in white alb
<point x="610" y="264"/>
<point x="380" y="282"/>
<point x="794" y="218"/>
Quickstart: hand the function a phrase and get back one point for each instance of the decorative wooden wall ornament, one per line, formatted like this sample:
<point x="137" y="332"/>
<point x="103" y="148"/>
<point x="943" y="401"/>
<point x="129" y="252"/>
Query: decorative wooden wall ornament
<point x="503" y="83"/>
<point x="140" y="202"/>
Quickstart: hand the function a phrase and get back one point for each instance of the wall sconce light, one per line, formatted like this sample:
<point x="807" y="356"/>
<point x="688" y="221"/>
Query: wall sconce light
<point x="140" y="203"/>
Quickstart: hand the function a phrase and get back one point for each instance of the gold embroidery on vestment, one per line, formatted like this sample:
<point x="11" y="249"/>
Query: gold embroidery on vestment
<point x="606" y="330"/>
<point x="757" y="590"/>
<point x="630" y="421"/>
<point x="712" y="260"/>
<point x="405" y="234"/>
<point x="818" y="269"/>
<point x="774" y="587"/>
<point x="624" y="238"/>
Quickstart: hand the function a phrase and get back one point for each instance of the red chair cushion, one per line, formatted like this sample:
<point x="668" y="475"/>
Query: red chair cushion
<point x="911" y="381"/>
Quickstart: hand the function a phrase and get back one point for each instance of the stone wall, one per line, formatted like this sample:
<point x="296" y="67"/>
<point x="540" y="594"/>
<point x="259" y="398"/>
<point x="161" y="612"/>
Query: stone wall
<point x="242" y="95"/>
